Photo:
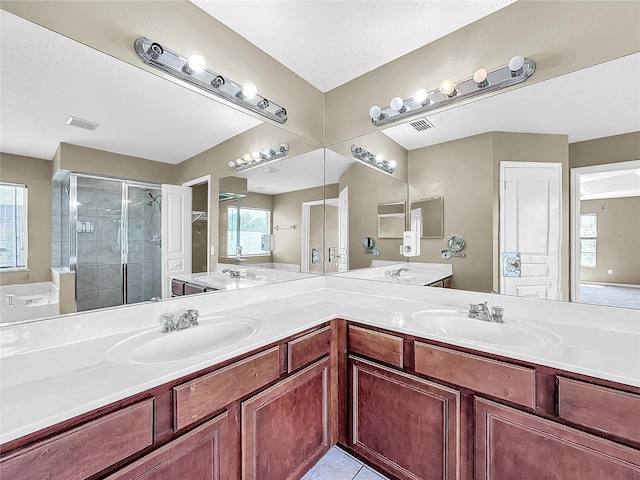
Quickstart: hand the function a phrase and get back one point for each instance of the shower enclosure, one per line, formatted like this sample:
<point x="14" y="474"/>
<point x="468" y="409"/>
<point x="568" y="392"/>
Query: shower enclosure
<point x="114" y="240"/>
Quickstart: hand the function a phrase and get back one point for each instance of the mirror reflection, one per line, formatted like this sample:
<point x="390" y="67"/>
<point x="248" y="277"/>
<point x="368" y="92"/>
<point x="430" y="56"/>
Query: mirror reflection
<point x="108" y="169"/>
<point x="506" y="182"/>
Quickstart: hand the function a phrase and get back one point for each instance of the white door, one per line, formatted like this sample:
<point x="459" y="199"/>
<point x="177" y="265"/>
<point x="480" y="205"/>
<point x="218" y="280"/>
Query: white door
<point x="531" y="226"/>
<point x="343" y="230"/>
<point x="176" y="234"/>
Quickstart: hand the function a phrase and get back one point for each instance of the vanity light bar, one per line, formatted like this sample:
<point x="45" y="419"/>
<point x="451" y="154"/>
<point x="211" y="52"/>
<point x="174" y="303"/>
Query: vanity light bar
<point x="516" y="71"/>
<point x="372" y="159"/>
<point x="262" y="156"/>
<point x="193" y="71"/>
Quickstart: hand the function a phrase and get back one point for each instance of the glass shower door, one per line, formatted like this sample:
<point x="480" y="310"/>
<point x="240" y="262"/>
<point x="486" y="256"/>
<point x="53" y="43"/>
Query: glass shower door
<point x="96" y="225"/>
<point x="142" y="256"/>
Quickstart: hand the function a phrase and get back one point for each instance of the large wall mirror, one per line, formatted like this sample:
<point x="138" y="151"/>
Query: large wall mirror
<point x="507" y="168"/>
<point x="96" y="198"/>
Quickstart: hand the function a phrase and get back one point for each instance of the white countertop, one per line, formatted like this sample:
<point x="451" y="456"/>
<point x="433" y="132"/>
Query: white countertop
<point x="56" y="369"/>
<point x="413" y="273"/>
<point x="249" y="277"/>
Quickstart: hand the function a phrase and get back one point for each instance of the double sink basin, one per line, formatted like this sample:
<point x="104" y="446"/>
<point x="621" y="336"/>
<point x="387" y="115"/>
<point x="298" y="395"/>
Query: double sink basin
<point x="216" y="333"/>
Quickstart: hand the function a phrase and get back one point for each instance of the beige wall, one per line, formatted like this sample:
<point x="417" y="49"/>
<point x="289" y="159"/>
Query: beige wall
<point x="113" y="26"/>
<point x="466" y="173"/>
<point x="316" y="237"/>
<point x="618" y="244"/>
<point x="618" y="148"/>
<point x="331" y="236"/>
<point x="287" y="210"/>
<point x="368" y="188"/>
<point x="561" y="36"/>
<point x="462" y="173"/>
<point x="90" y="160"/>
<point x="36" y="174"/>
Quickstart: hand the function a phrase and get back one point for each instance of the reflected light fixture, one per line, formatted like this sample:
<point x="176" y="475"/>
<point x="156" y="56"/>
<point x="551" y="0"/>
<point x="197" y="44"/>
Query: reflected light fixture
<point x="372" y="159"/>
<point x="483" y="81"/>
<point x="194" y="72"/>
<point x="260" y="156"/>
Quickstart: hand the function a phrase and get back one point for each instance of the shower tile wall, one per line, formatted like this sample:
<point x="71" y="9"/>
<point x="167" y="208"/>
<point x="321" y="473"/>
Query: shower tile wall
<point x="99" y="276"/>
<point x="56" y="225"/>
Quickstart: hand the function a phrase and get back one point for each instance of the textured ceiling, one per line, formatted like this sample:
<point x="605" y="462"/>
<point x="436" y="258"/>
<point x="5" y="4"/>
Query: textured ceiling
<point x="329" y="43"/>
<point x="46" y="78"/>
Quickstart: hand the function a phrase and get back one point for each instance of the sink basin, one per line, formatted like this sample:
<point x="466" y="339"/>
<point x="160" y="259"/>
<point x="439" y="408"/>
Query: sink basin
<point x="456" y="324"/>
<point x="212" y="335"/>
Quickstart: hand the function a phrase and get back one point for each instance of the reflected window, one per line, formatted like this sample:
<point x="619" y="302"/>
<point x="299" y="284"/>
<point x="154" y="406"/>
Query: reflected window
<point x="254" y="223"/>
<point x="13" y="226"/>
<point x="588" y="239"/>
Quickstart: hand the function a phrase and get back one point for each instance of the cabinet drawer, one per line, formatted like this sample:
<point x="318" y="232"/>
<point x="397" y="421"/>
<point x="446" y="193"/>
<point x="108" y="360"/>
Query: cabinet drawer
<point x="499" y="379"/>
<point x="602" y="408"/>
<point x="308" y="348"/>
<point x="177" y="288"/>
<point x="190" y="289"/>
<point x="201" y="453"/>
<point x="84" y="450"/>
<point x="380" y="346"/>
<point x="201" y="397"/>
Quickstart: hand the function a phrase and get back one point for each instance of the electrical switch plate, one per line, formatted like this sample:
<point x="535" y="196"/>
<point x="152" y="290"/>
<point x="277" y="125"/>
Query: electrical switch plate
<point x="610" y="272"/>
<point x="213" y="250"/>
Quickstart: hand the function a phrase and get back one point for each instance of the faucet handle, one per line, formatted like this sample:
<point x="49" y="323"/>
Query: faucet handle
<point x="168" y="322"/>
<point x="193" y="316"/>
<point x="497" y="313"/>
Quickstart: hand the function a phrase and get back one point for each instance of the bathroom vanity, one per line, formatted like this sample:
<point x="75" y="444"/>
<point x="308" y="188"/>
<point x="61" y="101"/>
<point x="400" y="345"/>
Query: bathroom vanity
<point x="326" y="361"/>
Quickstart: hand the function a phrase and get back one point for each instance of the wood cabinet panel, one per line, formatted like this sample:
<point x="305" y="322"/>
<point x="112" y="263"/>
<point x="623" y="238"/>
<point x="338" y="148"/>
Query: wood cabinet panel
<point x="177" y="288"/>
<point x="499" y="379"/>
<point x="285" y="429"/>
<point x="306" y="349"/>
<point x="409" y="426"/>
<point x="207" y="394"/>
<point x="190" y="288"/>
<point x="202" y="453"/>
<point x="84" y="450"/>
<point x="379" y="346"/>
<point x="611" y="411"/>
<point x="516" y="445"/>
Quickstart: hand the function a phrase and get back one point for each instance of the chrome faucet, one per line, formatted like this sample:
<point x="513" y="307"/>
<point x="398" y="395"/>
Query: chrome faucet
<point x="232" y="273"/>
<point x="482" y="312"/>
<point x="397" y="273"/>
<point x="186" y="320"/>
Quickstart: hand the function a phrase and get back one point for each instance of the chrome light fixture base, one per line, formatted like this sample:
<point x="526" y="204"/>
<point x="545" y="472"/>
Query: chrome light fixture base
<point x="496" y="79"/>
<point x="260" y="157"/>
<point x="172" y="63"/>
<point x="370" y="159"/>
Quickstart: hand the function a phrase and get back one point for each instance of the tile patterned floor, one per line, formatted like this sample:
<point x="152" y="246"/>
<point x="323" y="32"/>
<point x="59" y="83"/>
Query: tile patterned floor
<point x="338" y="465"/>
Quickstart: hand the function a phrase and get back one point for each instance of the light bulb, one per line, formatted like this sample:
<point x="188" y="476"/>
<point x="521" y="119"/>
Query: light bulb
<point x="255" y="155"/>
<point x="196" y="63"/>
<point x="246" y="157"/>
<point x="239" y="161"/>
<point x="249" y="91"/>
<point x="375" y="112"/>
<point x="379" y="158"/>
<point x="480" y="77"/>
<point x="420" y="96"/>
<point x="275" y="148"/>
<point x="265" y="151"/>
<point x="392" y="164"/>
<point x="448" y="87"/>
<point x="232" y="164"/>
<point x="396" y="104"/>
<point x="516" y="64"/>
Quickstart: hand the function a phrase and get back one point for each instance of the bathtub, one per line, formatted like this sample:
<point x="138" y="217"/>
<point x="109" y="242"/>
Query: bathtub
<point x="28" y="301"/>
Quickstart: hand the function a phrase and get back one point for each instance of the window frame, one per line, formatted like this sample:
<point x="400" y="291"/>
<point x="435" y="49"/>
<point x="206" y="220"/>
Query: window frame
<point x="593" y="238"/>
<point x="25" y="230"/>
<point x="269" y="229"/>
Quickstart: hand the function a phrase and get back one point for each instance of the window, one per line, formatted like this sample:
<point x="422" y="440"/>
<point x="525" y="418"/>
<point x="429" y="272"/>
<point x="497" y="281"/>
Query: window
<point x="13" y="226"/>
<point x="588" y="239"/>
<point x="254" y="223"/>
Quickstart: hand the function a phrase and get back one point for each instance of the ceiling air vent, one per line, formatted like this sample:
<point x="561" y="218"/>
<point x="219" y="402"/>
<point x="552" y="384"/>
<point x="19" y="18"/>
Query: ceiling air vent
<point x="422" y="125"/>
<point x="80" y="123"/>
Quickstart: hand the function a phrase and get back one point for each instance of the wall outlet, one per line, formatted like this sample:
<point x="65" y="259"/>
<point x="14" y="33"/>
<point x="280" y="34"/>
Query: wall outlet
<point x="610" y="272"/>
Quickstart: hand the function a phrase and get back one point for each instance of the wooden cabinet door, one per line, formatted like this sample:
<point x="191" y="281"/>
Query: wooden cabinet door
<point x="200" y="454"/>
<point x="516" y="445"/>
<point x="285" y="429"/>
<point x="404" y="424"/>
